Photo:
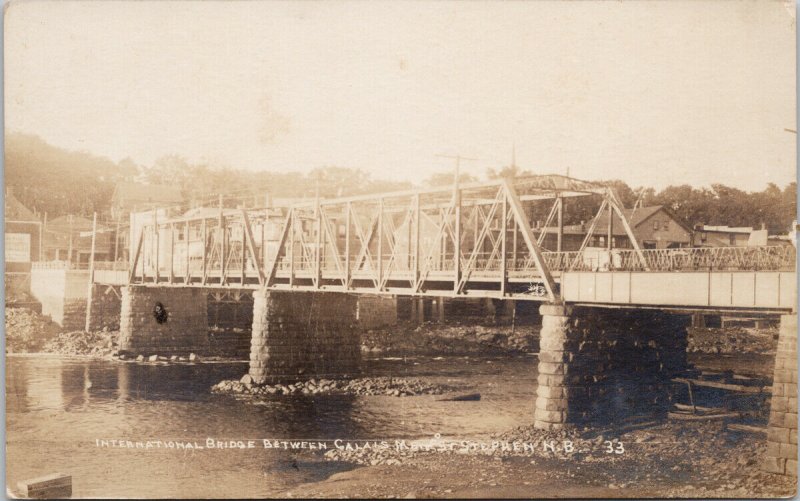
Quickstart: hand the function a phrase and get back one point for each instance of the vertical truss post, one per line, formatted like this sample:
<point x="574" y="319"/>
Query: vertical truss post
<point x="457" y="238"/>
<point x="171" y="252"/>
<point x="158" y="240"/>
<point x="560" y="213"/>
<point x="346" y="281"/>
<point x="417" y="222"/>
<point x="514" y="247"/>
<point x="205" y="251"/>
<point x="290" y="231"/>
<point x="221" y="236"/>
<point x="380" y="244"/>
<point x="243" y="255"/>
<point x="319" y="242"/>
<point x="504" y="237"/>
<point x="264" y="250"/>
<point x="186" y="236"/>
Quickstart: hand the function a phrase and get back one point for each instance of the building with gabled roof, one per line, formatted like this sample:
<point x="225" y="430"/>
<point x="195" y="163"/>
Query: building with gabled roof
<point x="654" y="227"/>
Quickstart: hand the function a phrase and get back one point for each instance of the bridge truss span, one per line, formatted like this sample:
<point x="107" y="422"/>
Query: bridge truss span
<point x="470" y="240"/>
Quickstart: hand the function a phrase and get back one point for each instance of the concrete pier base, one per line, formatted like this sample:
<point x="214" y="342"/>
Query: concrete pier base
<point x="602" y="364"/>
<point x="781" y="454"/>
<point x="300" y="335"/>
<point x="184" y="328"/>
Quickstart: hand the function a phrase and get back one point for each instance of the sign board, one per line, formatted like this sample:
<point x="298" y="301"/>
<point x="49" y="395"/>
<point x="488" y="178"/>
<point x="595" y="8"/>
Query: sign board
<point x="18" y="248"/>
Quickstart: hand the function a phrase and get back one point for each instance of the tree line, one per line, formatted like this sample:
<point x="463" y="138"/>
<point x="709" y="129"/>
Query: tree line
<point x="55" y="181"/>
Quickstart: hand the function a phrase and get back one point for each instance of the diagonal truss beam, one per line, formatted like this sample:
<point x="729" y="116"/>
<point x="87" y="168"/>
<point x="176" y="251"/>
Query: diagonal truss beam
<point x="525" y="228"/>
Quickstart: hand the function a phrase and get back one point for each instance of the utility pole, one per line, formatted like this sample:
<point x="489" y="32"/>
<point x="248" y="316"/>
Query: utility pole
<point x="457" y="212"/>
<point x="90" y="291"/>
<point x="69" y="252"/>
<point x="457" y="175"/>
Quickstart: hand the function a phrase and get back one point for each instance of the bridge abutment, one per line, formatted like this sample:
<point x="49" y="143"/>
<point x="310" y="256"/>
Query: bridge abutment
<point x="602" y="364"/>
<point x="182" y="329"/>
<point x="303" y="334"/>
<point x="782" y="432"/>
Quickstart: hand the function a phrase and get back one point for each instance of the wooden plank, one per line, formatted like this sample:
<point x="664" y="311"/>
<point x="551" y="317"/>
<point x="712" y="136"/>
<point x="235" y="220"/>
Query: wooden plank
<point x="56" y="485"/>
<point x="747" y="428"/>
<point x="701" y="417"/>
<point x="726" y="386"/>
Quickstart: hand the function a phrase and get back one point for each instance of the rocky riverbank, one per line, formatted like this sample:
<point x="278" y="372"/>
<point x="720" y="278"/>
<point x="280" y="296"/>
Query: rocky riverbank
<point x="27" y="331"/>
<point x="450" y="339"/>
<point x="661" y="460"/>
<point x="389" y="386"/>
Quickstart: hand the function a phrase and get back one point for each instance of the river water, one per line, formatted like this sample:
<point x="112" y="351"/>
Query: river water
<point x="57" y="409"/>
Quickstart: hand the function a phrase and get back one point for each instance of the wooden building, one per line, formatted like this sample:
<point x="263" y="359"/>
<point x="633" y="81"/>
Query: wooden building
<point x="22" y="243"/>
<point x="654" y="227"/>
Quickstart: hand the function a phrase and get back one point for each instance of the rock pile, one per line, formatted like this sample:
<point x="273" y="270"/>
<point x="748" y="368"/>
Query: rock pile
<point x="26" y="330"/>
<point x="370" y="457"/>
<point x="397" y="387"/>
<point x="101" y="344"/>
<point x="732" y="340"/>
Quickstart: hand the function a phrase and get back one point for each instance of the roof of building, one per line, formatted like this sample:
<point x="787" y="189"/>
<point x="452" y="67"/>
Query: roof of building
<point x="63" y="223"/>
<point x="634" y="216"/>
<point x="129" y="193"/>
<point x="15" y="211"/>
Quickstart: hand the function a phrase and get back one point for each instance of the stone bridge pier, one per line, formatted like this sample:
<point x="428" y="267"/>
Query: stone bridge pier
<point x="303" y="334"/>
<point x="182" y="328"/>
<point x="601" y="364"/>
<point x="781" y="454"/>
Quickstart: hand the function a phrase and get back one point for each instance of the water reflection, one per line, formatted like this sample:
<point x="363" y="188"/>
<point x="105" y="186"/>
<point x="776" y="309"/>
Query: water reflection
<point x="57" y="408"/>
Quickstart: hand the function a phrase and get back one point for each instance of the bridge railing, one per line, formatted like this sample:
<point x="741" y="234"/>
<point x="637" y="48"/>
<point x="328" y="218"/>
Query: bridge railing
<point x="763" y="258"/>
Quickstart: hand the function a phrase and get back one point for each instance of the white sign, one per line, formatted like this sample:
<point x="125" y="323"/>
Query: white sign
<point x="18" y="248"/>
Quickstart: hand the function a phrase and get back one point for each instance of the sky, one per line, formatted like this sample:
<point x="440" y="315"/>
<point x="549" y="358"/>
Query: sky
<point x="653" y="93"/>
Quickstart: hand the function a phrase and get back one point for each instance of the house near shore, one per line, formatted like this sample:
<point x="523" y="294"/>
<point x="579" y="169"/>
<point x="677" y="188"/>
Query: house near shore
<point x="69" y="238"/>
<point x="654" y="227"/>
<point x="22" y="243"/>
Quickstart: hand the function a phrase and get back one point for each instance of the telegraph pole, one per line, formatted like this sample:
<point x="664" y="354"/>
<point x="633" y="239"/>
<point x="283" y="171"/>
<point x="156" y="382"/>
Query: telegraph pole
<point x="457" y="211"/>
<point x="90" y="292"/>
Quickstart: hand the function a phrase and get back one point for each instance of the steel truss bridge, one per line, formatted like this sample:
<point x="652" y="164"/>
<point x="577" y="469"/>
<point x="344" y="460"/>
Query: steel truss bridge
<point x="470" y="240"/>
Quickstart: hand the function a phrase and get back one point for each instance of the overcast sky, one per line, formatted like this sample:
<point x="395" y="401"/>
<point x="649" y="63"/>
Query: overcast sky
<point x="652" y="93"/>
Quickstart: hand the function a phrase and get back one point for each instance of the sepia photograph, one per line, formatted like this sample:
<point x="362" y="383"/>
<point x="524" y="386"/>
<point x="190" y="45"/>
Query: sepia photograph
<point x="394" y="249"/>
